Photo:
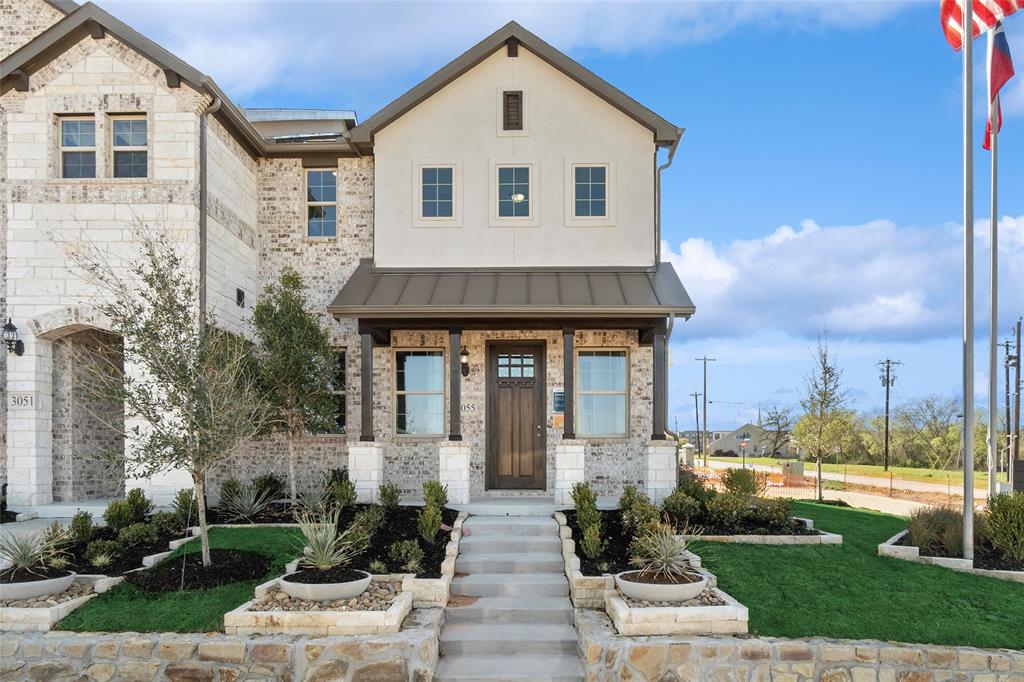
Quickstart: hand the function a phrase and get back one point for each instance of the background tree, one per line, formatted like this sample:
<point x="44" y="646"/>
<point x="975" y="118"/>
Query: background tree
<point x="296" y="363"/>
<point x="823" y="428"/>
<point x="932" y="426"/>
<point x="778" y="425"/>
<point x="190" y="397"/>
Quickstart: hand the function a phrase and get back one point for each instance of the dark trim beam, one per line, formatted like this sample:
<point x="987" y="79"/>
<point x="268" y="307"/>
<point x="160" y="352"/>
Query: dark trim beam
<point x="173" y="78"/>
<point x="95" y="29"/>
<point x="569" y="383"/>
<point x="20" y="79"/>
<point x="512" y="44"/>
<point x="660" y="380"/>
<point x="454" y="385"/>
<point x="366" y="387"/>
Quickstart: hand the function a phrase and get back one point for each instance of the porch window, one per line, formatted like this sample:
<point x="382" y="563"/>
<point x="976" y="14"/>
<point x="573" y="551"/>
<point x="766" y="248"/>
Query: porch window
<point x="78" y="148"/>
<point x="601" y="399"/>
<point x="321" y="203"/>
<point x="419" y="392"/>
<point x="128" y="144"/>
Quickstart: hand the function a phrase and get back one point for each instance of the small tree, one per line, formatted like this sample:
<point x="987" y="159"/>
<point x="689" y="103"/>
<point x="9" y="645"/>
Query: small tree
<point x="778" y="422"/>
<point x="823" y="427"/>
<point x="933" y="423"/>
<point x="191" y="390"/>
<point x="296" y="363"/>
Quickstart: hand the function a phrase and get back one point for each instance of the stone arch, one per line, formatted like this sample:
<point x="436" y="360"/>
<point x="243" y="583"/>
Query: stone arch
<point x="62" y="322"/>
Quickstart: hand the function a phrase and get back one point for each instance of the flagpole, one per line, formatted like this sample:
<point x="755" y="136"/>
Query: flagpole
<point x="993" y="320"/>
<point x="968" y="293"/>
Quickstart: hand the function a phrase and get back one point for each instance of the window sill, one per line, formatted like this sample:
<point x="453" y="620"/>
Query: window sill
<point x="319" y="240"/>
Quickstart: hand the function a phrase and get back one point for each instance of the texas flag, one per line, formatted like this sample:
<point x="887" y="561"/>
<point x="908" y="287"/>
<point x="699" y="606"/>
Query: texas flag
<point x="1000" y="70"/>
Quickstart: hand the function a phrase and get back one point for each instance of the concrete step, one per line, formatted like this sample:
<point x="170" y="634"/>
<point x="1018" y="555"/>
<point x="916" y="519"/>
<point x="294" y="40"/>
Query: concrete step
<point x="522" y="562"/>
<point x="511" y="610"/>
<point x="512" y="525"/>
<point x="511" y="585"/>
<point x="550" y="668"/>
<point x="495" y="543"/>
<point x="473" y="639"/>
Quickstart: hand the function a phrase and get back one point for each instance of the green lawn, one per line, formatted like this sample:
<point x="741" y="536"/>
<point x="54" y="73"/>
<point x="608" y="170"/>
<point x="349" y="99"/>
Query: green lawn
<point x="940" y="476"/>
<point x="849" y="592"/>
<point x="126" y="608"/>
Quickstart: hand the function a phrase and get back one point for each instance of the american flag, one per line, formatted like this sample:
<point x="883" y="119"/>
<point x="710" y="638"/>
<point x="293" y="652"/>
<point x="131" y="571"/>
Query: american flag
<point x="987" y="13"/>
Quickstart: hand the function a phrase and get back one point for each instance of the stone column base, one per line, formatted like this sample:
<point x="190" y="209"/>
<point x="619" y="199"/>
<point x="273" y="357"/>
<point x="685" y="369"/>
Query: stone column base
<point x="453" y="469"/>
<point x="570" y="457"/>
<point x="660" y="479"/>
<point x="366" y="470"/>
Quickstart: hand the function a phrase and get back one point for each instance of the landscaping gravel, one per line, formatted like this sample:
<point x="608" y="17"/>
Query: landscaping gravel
<point x="77" y="589"/>
<point x="705" y="598"/>
<point x="378" y="597"/>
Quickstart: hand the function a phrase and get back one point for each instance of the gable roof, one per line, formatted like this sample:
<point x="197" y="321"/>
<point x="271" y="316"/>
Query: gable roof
<point x="65" y="6"/>
<point x="665" y="133"/>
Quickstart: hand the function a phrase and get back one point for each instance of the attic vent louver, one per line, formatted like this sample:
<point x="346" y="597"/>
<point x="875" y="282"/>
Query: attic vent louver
<point x="512" y="110"/>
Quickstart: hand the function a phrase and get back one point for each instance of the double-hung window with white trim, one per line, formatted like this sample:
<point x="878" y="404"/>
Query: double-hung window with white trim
<point x="78" y="147"/>
<point x="128" y="146"/>
<point x="602" y="394"/>
<point x="321" y="202"/>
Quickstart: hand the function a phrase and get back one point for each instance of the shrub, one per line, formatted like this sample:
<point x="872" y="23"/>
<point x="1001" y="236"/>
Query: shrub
<point x="137" y="534"/>
<point x="118" y="515"/>
<point x="81" y="527"/>
<point x="428" y="522"/>
<point x="680" y="507"/>
<point x="167" y="523"/>
<point x="230" y="488"/>
<point x="344" y="492"/>
<point x="927" y="527"/>
<point x="325" y="547"/>
<point x="435" y="494"/>
<point x="100" y="553"/>
<point x="660" y="553"/>
<point x="585" y="500"/>
<point x="140" y="505"/>
<point x="408" y="555"/>
<point x="1004" y="525"/>
<point x="640" y="516"/>
<point x="769" y="513"/>
<point x="630" y="496"/>
<point x="369" y="520"/>
<point x="270" y="484"/>
<point x="591" y="544"/>
<point x="692" y="485"/>
<point x="745" y="482"/>
<point x="728" y="510"/>
<point x="377" y="566"/>
<point x="185" y="508"/>
<point x="247" y="504"/>
<point x="389" y="495"/>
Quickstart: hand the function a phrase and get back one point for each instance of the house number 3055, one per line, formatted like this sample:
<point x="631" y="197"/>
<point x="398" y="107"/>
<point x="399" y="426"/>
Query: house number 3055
<point x="469" y="407"/>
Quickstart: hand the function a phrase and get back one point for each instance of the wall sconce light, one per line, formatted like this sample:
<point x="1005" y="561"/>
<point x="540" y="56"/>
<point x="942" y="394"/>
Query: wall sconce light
<point x="518" y="198"/>
<point x="14" y="344"/>
<point x="464" y="361"/>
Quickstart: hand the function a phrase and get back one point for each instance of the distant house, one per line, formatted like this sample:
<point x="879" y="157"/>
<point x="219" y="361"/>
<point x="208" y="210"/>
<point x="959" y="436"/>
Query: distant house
<point x="758" y="442"/>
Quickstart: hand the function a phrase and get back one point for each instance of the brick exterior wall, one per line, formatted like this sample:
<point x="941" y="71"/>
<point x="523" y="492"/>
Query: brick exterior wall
<point x="23" y="20"/>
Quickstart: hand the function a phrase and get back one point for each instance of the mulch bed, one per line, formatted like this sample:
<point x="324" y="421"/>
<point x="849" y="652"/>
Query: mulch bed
<point x="313" y="576"/>
<point x="278" y="512"/>
<point x="400" y="524"/>
<point x="792" y="528"/>
<point x="129" y="559"/>
<point x="227" y="566"/>
<point x="616" y="554"/>
<point x="985" y="556"/>
<point x="660" y="579"/>
<point x="10" y="576"/>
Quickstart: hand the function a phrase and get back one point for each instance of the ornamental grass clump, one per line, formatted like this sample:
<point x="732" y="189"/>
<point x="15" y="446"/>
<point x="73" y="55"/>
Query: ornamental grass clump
<point x="34" y="555"/>
<point x="661" y="554"/>
<point x="325" y="547"/>
<point x="246" y="503"/>
<point x="928" y="526"/>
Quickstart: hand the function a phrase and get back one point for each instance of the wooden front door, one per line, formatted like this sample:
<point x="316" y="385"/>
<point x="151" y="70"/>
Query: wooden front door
<point x="516" y="451"/>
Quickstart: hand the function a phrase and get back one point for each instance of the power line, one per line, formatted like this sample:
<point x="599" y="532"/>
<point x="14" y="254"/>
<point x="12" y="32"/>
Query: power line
<point x="888" y="378"/>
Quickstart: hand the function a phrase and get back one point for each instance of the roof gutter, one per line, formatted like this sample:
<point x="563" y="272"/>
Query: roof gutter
<point x="347" y="134"/>
<point x="204" y="193"/>
<point x="657" y="193"/>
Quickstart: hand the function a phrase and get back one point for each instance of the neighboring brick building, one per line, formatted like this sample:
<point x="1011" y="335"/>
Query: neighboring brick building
<point x="486" y="247"/>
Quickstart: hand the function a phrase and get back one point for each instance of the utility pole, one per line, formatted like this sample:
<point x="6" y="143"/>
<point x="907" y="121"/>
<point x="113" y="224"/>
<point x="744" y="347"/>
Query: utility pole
<point x="888" y="379"/>
<point x="1006" y="345"/>
<point x="1015" y="453"/>
<point x="696" y="425"/>
<point x="704" y="434"/>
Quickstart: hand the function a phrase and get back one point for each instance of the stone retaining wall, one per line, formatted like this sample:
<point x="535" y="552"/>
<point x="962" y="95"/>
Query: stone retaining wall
<point x="407" y="655"/>
<point x="607" y="656"/>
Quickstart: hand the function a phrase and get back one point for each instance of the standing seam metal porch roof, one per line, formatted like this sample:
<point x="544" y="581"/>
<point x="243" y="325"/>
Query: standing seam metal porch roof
<point x="511" y="293"/>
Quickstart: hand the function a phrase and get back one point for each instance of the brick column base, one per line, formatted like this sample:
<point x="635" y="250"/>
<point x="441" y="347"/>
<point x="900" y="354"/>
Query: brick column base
<point x="366" y="470"/>
<point x="570" y="457"/>
<point x="453" y="470"/>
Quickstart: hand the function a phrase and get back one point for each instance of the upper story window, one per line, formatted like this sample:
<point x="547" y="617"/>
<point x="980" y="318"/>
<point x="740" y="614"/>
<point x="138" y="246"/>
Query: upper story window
<point x="419" y="392"/>
<point x="321" y="203"/>
<point x="514" y="192"/>
<point x="78" y="148"/>
<point x="437" y="192"/>
<point x="590" y="191"/>
<point x="128" y="144"/>
<point x="512" y="110"/>
<point x="601" y="398"/>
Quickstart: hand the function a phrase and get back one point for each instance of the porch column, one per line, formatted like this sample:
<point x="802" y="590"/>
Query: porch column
<point x="366" y="386"/>
<point x="454" y="385"/>
<point x="29" y="423"/>
<point x="568" y="384"/>
<point x="660" y="387"/>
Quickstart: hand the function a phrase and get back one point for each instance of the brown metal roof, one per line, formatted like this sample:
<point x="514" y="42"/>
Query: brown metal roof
<point x="373" y="293"/>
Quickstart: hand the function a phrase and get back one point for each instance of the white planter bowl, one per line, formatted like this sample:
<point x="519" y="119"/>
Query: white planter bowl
<point x="325" y="591"/>
<point x="36" y="588"/>
<point x="652" y="592"/>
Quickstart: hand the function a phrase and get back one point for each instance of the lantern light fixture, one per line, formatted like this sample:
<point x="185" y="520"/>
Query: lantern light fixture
<point x="14" y="344"/>
<point x="464" y="361"/>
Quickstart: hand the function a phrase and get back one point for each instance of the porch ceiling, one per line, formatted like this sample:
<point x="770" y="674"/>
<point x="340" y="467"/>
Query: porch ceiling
<point x="422" y="294"/>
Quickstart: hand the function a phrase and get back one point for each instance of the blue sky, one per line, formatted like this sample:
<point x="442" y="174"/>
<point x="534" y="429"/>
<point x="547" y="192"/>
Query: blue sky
<point x="818" y="183"/>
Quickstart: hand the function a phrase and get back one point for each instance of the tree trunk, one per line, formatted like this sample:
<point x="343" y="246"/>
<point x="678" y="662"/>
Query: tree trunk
<point x="291" y="468"/>
<point x="821" y="496"/>
<point x="204" y="536"/>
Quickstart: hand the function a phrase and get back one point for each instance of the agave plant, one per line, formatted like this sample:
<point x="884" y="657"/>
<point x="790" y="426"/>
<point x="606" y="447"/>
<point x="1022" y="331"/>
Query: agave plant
<point x="35" y="552"/>
<point x="315" y="499"/>
<point x="246" y="504"/>
<point x="326" y="548"/>
<point x="660" y="553"/>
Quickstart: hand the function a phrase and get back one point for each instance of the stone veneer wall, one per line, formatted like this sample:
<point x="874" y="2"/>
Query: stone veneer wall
<point x="86" y="430"/>
<point x="23" y="20"/>
<point x="409" y="655"/>
<point x="608" y="657"/>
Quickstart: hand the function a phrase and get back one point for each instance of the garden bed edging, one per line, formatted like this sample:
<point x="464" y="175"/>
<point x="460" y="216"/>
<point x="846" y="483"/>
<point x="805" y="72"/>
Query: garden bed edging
<point x="729" y="618"/>
<point x="818" y="538"/>
<point x="891" y="548"/>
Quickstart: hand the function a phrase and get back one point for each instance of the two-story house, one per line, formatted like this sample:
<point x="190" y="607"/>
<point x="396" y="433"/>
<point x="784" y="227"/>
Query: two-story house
<point x="484" y="250"/>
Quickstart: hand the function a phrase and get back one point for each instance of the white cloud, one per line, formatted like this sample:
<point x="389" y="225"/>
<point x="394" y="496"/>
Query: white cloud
<point x="871" y="281"/>
<point x="300" y="45"/>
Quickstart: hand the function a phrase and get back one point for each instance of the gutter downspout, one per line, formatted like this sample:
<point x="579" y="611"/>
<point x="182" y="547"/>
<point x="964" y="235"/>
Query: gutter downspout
<point x="657" y="193"/>
<point x="213" y="108"/>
